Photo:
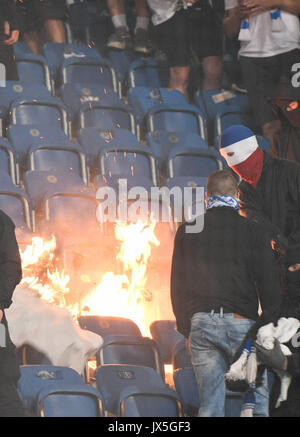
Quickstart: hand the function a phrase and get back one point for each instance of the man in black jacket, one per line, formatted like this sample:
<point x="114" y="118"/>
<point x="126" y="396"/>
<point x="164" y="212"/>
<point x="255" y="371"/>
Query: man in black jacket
<point x="10" y="276"/>
<point x="217" y="277"/>
<point x="9" y="34"/>
<point x="270" y="195"/>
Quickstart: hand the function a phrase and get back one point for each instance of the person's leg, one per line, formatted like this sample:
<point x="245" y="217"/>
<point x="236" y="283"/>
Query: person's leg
<point x="141" y="38"/>
<point x="34" y="40"/>
<point x="52" y="14"/>
<point x="10" y="402"/>
<point x="261" y="76"/>
<point x="172" y="38"/>
<point x="120" y="39"/>
<point x="30" y="26"/>
<point x="55" y="31"/>
<point x="209" y="363"/>
<point x="212" y="70"/>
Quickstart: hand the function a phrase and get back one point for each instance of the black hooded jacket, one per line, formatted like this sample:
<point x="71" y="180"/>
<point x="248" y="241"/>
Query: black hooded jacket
<point x="8" y="13"/>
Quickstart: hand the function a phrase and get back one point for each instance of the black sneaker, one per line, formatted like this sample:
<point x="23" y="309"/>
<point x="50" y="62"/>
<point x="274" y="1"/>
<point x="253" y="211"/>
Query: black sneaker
<point x="142" y="43"/>
<point x="120" y="39"/>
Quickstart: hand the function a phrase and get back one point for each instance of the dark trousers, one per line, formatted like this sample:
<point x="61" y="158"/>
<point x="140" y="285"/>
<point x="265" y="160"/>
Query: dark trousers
<point x="10" y="402"/>
<point x="7" y="58"/>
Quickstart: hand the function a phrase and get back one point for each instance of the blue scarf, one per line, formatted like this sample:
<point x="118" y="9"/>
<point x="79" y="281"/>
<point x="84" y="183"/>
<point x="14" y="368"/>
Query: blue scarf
<point x="217" y="201"/>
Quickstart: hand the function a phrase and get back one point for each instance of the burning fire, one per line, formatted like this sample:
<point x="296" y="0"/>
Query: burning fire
<point x="120" y="295"/>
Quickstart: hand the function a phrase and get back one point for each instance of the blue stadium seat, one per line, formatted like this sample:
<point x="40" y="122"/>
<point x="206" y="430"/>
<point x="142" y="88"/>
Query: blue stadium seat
<point x="148" y="73"/>
<point x="89" y="70"/>
<point x="22" y="137"/>
<point x="166" y="336"/>
<point x="76" y="94"/>
<point x="136" y="391"/>
<point x="40" y="111"/>
<point x="106" y="116"/>
<point x="56" y="53"/>
<point x="93" y="139"/>
<point x="142" y="99"/>
<point x="56" y="198"/>
<point x="127" y="161"/>
<point x="48" y="157"/>
<point x="21" y="47"/>
<point x="131" y="182"/>
<point x="162" y="142"/>
<point x="136" y="350"/>
<point x="105" y="326"/>
<point x="185" y="118"/>
<point x="15" y="203"/>
<point x="8" y="160"/>
<point x="193" y="162"/>
<point x="14" y="90"/>
<point x="186" y="387"/>
<point x="33" y="69"/>
<point x="180" y="355"/>
<point x="121" y="60"/>
<point x="56" y="391"/>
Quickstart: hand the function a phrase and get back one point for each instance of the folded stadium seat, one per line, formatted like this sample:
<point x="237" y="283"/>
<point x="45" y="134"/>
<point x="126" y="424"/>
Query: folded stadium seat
<point x="142" y="99"/>
<point x="125" y="349"/>
<point x="180" y="355"/>
<point x="185" y="118"/>
<point x="148" y="73"/>
<point x="224" y="108"/>
<point x="56" y="53"/>
<point x="74" y="95"/>
<point x="166" y="336"/>
<point x="186" y="388"/>
<point x="63" y="157"/>
<point x="162" y="142"/>
<point x="193" y="162"/>
<point x="15" y="203"/>
<point x="121" y="61"/>
<point x="56" y="197"/>
<point x="40" y="111"/>
<point x="123" y="161"/>
<point x="136" y="391"/>
<point x="93" y="139"/>
<point x="8" y="160"/>
<point x="33" y="69"/>
<point x="22" y="137"/>
<point x="15" y="90"/>
<point x="192" y="200"/>
<point x="105" y="326"/>
<point x="88" y="70"/>
<point x="107" y="116"/>
<point x="56" y="391"/>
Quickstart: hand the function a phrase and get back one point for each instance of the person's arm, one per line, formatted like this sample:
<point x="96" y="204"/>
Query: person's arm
<point x="178" y="283"/>
<point x="232" y="22"/>
<point x="255" y="6"/>
<point x="10" y="262"/>
<point x="11" y="24"/>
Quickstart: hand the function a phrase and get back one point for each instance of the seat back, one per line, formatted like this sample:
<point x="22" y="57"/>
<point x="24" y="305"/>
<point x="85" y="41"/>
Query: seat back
<point x="166" y="336"/>
<point x="193" y="162"/>
<point x="106" y="326"/>
<point x="141" y="351"/>
<point x="36" y="377"/>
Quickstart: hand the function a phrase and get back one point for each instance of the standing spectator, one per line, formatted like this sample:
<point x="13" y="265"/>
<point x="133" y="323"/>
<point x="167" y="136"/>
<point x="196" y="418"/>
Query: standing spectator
<point x="185" y="27"/>
<point x="270" y="195"/>
<point x="10" y="276"/>
<point x="121" y="38"/>
<point x="9" y="35"/>
<point x="47" y="15"/>
<point x="270" y="44"/>
<point x="217" y="277"/>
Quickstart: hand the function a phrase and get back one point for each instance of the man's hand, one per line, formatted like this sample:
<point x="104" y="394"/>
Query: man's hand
<point x="273" y="358"/>
<point x="13" y="36"/>
<point x="294" y="267"/>
<point x="257" y="6"/>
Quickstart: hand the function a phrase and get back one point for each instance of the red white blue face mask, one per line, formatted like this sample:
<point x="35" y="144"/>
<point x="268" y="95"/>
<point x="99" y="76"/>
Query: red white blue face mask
<point x="245" y="158"/>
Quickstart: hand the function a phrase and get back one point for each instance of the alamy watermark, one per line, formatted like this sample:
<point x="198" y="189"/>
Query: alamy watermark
<point x="187" y="204"/>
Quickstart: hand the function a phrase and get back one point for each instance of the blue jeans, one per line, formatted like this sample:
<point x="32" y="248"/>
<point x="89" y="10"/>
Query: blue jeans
<point x="214" y="340"/>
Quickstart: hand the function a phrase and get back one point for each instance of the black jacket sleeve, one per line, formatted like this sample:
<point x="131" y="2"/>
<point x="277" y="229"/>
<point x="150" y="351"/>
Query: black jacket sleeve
<point x="10" y="262"/>
<point x="178" y="283"/>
